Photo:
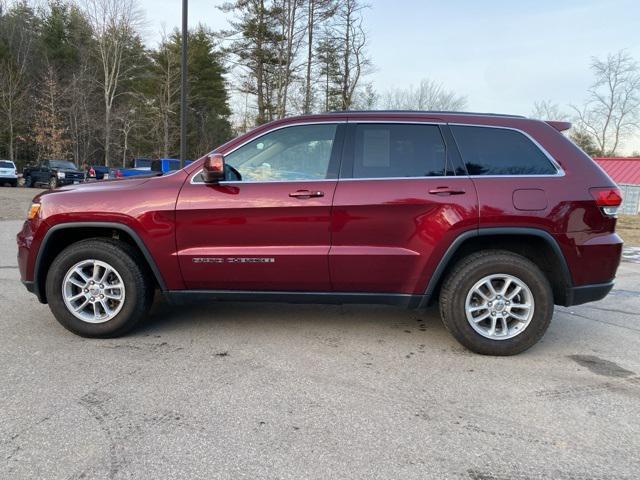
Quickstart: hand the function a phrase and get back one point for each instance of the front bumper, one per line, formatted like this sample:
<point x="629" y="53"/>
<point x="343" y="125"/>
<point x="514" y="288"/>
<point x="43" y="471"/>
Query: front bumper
<point x="29" y="285"/>
<point x="588" y="293"/>
<point x="70" y="181"/>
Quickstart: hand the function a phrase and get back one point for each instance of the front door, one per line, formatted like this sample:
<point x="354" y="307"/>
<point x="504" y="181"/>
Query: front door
<point x="267" y="227"/>
<point x="402" y="198"/>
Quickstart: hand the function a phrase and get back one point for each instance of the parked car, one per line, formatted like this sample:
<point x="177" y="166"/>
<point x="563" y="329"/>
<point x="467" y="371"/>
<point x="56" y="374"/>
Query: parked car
<point x="496" y="217"/>
<point x="52" y="173"/>
<point x="8" y="173"/>
<point x="101" y="172"/>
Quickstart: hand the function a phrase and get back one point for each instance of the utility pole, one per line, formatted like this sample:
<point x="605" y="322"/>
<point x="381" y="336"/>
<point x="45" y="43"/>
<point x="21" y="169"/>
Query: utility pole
<point x="183" y="84"/>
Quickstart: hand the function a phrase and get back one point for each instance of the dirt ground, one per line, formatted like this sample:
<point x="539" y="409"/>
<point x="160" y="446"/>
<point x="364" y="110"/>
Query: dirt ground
<point x="628" y="228"/>
<point x="15" y="202"/>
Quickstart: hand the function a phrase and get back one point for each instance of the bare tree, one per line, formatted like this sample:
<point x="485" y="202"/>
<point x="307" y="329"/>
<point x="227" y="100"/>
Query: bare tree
<point x="612" y="109"/>
<point x="114" y="23"/>
<point x="292" y="30"/>
<point x="166" y="101"/>
<point x="318" y="11"/>
<point x="354" y="62"/>
<point x="429" y="95"/>
<point x="14" y="80"/>
<point x="547" y="110"/>
<point x="50" y="131"/>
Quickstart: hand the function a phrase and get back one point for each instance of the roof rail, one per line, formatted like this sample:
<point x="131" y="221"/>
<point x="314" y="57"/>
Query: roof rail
<point x="438" y="112"/>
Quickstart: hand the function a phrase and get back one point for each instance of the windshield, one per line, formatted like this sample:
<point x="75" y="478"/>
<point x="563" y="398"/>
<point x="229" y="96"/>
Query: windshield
<point x="62" y="164"/>
<point x="6" y="164"/>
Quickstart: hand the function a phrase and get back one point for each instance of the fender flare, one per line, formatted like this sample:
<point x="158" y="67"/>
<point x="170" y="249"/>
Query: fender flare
<point x="109" y="225"/>
<point x="523" y="231"/>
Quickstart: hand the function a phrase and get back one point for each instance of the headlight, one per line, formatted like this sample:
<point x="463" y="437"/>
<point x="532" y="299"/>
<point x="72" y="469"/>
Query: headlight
<point x="60" y="174"/>
<point x="33" y="211"/>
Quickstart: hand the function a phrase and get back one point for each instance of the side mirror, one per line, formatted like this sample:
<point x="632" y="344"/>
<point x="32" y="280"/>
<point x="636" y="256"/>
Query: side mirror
<point x="213" y="168"/>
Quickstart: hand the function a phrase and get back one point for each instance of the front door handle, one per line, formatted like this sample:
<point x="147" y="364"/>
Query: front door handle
<point x="446" y="191"/>
<point x="306" y="194"/>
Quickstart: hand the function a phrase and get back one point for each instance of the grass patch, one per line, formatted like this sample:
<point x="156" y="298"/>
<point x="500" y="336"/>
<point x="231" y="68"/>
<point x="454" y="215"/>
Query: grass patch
<point x="628" y="227"/>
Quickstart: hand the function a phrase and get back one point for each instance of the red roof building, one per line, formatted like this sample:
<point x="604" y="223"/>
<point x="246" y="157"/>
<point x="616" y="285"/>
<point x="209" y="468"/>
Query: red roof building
<point x="623" y="170"/>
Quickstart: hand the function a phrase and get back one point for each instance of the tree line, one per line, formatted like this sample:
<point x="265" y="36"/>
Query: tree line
<point x="78" y="82"/>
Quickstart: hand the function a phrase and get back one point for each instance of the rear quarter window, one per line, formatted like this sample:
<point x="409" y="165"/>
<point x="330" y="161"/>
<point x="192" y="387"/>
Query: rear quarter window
<point x="500" y="151"/>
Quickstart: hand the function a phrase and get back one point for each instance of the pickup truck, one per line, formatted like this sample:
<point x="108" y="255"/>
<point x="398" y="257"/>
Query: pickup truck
<point x="137" y="166"/>
<point x="166" y="165"/>
<point x="52" y="173"/>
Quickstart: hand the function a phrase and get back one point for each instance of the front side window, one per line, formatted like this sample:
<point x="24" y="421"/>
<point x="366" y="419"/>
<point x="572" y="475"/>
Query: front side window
<point x="398" y="150"/>
<point x="301" y="152"/>
<point x="500" y="151"/>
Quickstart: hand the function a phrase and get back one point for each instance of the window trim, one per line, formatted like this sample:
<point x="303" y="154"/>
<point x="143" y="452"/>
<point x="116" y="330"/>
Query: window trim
<point x="348" y="160"/>
<point x="336" y="150"/>
<point x="554" y="163"/>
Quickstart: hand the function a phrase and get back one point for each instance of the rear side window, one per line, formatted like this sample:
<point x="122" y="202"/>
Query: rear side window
<point x="499" y="151"/>
<point x="398" y="150"/>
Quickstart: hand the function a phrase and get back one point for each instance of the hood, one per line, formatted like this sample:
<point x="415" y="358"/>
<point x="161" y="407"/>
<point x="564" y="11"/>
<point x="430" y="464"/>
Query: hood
<point x="102" y="186"/>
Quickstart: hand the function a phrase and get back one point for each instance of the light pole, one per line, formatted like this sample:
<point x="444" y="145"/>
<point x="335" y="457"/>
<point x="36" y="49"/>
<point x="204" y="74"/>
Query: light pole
<point x="183" y="84"/>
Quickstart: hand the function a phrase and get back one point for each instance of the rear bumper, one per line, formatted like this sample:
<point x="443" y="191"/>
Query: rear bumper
<point x="587" y="293"/>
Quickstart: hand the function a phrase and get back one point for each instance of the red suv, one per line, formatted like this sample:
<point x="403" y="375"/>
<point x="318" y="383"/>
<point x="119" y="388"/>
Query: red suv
<point x="496" y="217"/>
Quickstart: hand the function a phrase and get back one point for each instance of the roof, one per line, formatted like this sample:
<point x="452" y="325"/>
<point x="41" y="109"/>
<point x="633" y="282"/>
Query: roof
<point x="623" y="170"/>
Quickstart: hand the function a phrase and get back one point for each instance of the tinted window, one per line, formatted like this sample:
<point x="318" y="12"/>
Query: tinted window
<point x="6" y="164"/>
<point x="294" y="153"/>
<point x="498" y="151"/>
<point x="396" y="150"/>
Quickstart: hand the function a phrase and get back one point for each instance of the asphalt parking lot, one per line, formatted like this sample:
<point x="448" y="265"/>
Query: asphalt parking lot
<point x="288" y="391"/>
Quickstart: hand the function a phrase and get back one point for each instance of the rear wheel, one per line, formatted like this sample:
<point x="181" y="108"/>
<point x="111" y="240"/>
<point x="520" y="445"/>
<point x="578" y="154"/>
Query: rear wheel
<point x="496" y="303"/>
<point x="97" y="288"/>
<point x="53" y="183"/>
<point x="28" y="182"/>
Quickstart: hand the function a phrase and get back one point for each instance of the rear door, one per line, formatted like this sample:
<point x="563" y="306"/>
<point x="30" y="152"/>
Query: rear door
<point x="267" y="227"/>
<point x="402" y="198"/>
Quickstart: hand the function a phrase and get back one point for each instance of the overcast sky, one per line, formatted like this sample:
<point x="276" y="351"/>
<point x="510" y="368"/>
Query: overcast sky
<point x="502" y="54"/>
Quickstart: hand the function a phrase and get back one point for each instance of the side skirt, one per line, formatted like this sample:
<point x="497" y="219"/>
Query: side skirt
<point x="179" y="297"/>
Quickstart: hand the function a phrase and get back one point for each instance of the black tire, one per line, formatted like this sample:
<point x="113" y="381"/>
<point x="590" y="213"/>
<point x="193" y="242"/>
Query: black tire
<point x="472" y="269"/>
<point x="139" y="286"/>
<point x="53" y="183"/>
<point x="28" y="182"/>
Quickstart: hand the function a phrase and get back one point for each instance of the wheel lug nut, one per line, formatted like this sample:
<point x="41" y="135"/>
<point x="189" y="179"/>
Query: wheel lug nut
<point x="101" y="286"/>
<point x="86" y="290"/>
<point x="92" y="299"/>
<point x="493" y="313"/>
<point x="101" y="296"/>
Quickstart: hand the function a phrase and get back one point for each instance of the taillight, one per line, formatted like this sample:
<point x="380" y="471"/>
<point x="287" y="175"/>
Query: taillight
<point x="607" y="198"/>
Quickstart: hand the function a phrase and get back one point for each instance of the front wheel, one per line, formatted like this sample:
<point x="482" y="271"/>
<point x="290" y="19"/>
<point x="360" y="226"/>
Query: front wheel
<point x="53" y="183"/>
<point x="496" y="303"/>
<point x="97" y="288"/>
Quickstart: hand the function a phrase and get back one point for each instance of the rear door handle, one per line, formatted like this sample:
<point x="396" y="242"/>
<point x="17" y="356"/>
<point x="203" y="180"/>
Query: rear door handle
<point x="306" y="194"/>
<point x="446" y="191"/>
